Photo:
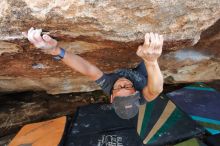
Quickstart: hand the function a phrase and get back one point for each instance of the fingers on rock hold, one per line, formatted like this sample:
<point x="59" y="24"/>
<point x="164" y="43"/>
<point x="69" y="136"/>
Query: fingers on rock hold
<point x="47" y="38"/>
<point x="147" y="39"/>
<point x="157" y="41"/>
<point x="152" y="40"/>
<point x="37" y="36"/>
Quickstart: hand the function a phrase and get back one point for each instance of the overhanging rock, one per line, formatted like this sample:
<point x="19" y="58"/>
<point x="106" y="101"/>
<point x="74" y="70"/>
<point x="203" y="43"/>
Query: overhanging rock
<point x="107" y="33"/>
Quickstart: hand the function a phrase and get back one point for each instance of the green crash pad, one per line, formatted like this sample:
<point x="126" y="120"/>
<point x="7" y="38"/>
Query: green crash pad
<point x="162" y="122"/>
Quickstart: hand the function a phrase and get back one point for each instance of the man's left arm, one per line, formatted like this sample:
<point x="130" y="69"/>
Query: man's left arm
<point x="150" y="52"/>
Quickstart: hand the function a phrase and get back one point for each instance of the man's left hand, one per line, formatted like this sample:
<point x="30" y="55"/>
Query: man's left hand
<point x="151" y="50"/>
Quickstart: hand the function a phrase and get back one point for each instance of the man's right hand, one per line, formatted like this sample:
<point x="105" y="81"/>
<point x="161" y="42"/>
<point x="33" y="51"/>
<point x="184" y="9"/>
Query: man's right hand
<point x="151" y="50"/>
<point x="45" y="42"/>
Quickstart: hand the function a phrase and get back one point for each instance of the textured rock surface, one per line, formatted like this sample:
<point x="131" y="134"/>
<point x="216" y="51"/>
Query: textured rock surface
<point x="107" y="33"/>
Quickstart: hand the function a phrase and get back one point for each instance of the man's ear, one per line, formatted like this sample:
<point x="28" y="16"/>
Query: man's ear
<point x="111" y="98"/>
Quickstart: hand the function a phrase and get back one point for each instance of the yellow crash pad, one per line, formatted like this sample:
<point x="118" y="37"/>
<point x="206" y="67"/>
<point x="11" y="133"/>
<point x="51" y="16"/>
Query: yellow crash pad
<point x="47" y="133"/>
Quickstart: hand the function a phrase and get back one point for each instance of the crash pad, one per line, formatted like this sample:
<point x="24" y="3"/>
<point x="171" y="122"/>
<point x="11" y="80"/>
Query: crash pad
<point x="161" y="123"/>
<point x="213" y="140"/>
<point x="201" y="103"/>
<point x="191" y="142"/>
<point x="47" y="133"/>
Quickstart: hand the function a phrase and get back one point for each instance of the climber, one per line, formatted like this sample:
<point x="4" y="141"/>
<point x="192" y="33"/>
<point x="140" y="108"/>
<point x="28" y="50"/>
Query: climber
<point x="127" y="88"/>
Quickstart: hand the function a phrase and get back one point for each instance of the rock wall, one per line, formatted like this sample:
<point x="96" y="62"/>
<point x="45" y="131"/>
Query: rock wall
<point x="107" y="33"/>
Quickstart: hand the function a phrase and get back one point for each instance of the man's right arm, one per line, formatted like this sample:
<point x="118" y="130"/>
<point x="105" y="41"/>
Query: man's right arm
<point x="150" y="52"/>
<point x="48" y="44"/>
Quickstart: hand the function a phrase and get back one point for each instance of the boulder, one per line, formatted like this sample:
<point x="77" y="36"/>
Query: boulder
<point x="107" y="33"/>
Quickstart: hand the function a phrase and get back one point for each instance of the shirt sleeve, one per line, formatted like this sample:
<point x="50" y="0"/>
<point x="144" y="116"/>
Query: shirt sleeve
<point x="106" y="82"/>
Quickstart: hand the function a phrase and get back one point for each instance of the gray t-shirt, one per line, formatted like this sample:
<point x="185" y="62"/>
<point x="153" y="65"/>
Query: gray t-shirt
<point x="137" y="76"/>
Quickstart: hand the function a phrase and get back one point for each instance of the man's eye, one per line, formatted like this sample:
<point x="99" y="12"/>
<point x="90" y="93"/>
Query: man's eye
<point x="119" y="87"/>
<point x="129" y="86"/>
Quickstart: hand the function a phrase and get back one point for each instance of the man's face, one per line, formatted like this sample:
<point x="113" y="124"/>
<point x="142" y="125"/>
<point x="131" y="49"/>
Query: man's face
<point x="122" y="87"/>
